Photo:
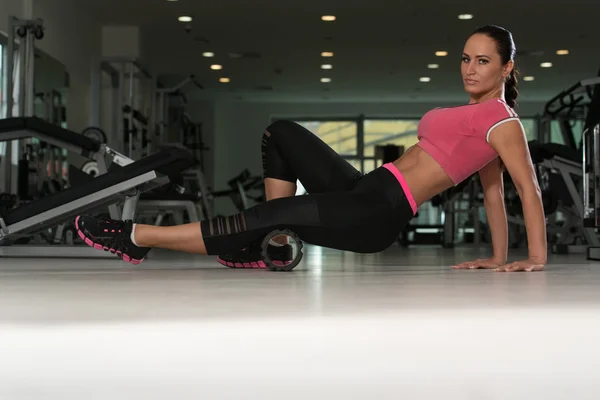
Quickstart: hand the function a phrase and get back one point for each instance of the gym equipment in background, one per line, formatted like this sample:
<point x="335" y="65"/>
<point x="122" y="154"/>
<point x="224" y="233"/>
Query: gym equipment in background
<point x="19" y="94"/>
<point x="123" y="184"/>
<point x="559" y="171"/>
<point x="169" y="107"/>
<point x="591" y="170"/>
<point x="145" y="119"/>
<point x="101" y="159"/>
<point x="131" y="105"/>
<point x="192" y="139"/>
<point x="243" y="188"/>
<point x="570" y="108"/>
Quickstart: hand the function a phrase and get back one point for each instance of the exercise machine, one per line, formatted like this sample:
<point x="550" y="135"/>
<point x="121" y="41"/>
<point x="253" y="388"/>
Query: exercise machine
<point x="169" y="125"/>
<point x="560" y="175"/>
<point x="139" y="115"/>
<point x="174" y="127"/>
<point x="569" y="108"/>
<point x="561" y="171"/>
<point x="130" y="111"/>
<point x="591" y="171"/>
<point x="122" y="184"/>
<point x="244" y="190"/>
<point x="19" y="93"/>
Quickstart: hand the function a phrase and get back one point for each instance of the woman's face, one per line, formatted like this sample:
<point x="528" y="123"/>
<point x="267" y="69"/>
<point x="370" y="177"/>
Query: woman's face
<point x="481" y="68"/>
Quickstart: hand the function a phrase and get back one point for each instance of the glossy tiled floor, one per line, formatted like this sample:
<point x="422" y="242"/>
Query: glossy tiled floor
<point x="396" y="325"/>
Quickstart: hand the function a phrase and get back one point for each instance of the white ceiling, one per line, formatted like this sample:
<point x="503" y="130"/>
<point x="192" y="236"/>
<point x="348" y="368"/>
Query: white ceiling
<point x="381" y="47"/>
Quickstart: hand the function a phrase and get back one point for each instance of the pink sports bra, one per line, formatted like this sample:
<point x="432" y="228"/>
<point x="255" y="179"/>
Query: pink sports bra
<point x="457" y="137"/>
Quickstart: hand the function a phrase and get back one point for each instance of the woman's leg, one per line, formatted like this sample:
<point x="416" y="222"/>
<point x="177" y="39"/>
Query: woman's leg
<point x="289" y="153"/>
<point x="186" y="238"/>
<point x="354" y="221"/>
<point x="292" y="153"/>
<point x="366" y="219"/>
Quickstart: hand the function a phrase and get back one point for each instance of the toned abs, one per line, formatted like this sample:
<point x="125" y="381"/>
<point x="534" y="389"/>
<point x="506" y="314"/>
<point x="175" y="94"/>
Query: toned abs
<point x="423" y="174"/>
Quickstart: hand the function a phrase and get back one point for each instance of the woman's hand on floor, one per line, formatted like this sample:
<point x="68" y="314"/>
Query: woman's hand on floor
<point x="484" y="263"/>
<point x="528" y="265"/>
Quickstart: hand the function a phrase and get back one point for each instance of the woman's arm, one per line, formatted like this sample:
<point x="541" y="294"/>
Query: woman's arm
<point x="509" y="141"/>
<point x="493" y="200"/>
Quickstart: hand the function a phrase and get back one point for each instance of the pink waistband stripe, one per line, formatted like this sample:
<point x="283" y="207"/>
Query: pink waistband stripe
<point x="392" y="168"/>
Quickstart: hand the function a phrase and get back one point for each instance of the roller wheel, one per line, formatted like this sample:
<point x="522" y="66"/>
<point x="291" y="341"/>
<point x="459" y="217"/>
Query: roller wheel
<point x="267" y="260"/>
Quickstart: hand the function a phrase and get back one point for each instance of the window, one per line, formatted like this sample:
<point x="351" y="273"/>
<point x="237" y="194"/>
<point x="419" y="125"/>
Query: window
<point x="382" y="132"/>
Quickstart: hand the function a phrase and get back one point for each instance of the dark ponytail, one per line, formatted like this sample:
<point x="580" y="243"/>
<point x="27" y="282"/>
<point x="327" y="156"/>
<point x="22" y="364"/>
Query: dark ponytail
<point x="510" y="89"/>
<point x="507" y="50"/>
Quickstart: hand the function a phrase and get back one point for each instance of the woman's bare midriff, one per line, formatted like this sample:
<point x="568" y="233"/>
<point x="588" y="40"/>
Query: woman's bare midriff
<point x="424" y="176"/>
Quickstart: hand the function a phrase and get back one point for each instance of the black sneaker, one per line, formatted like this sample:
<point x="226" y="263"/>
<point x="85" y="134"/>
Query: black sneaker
<point x="110" y="235"/>
<point x="250" y="257"/>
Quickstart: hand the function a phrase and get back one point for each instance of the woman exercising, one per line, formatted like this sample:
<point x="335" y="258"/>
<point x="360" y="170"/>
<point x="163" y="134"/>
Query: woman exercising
<point x="349" y="211"/>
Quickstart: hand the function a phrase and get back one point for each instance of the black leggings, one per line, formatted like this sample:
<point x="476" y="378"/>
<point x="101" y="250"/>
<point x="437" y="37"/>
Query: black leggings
<point x="344" y="209"/>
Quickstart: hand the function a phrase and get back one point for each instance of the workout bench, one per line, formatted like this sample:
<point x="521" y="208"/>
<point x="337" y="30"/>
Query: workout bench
<point x="124" y="184"/>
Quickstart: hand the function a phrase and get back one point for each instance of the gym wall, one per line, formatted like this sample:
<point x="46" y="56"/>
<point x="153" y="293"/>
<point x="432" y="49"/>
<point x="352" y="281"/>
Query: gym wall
<point x="237" y="128"/>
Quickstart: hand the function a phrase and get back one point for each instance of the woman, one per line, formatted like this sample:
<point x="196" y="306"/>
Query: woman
<point x="348" y="211"/>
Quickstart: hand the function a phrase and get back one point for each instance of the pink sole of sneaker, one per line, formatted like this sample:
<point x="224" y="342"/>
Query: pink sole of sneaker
<point x="251" y="265"/>
<point x="97" y="246"/>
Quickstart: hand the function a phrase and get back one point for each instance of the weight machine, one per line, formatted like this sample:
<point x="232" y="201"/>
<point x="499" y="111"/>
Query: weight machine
<point x="162" y="105"/>
<point x="591" y="169"/>
<point x="174" y="128"/>
<point x="131" y="106"/>
<point x="18" y="86"/>
<point x="560" y="167"/>
<point x="174" y="125"/>
<point x="569" y="173"/>
<point x="570" y="105"/>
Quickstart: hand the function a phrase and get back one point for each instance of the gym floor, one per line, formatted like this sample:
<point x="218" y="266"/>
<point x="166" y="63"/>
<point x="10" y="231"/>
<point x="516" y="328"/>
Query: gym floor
<point x="341" y="325"/>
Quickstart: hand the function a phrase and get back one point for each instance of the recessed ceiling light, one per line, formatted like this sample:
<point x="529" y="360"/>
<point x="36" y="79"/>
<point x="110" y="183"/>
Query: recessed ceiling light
<point x="208" y="54"/>
<point x="562" y="52"/>
<point x="425" y="79"/>
<point x="528" y="78"/>
<point x="325" y="80"/>
<point x="433" y="66"/>
<point x="326" y="66"/>
<point x="224" y="80"/>
<point x="546" y="64"/>
<point x="328" y="18"/>
<point x="185" y="18"/>
<point x="216" y="67"/>
<point x="327" y="54"/>
<point x="171" y="0"/>
<point x="441" y="53"/>
<point x="465" y="16"/>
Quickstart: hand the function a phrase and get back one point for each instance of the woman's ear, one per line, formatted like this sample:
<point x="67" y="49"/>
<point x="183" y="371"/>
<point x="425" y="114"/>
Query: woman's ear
<point x="508" y="68"/>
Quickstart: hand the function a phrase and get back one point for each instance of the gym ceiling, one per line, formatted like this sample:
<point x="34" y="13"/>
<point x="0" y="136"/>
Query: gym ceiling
<point x="271" y="50"/>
